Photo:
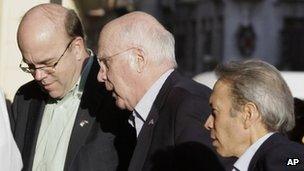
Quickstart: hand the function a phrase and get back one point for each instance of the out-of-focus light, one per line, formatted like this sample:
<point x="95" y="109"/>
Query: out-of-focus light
<point x="97" y="12"/>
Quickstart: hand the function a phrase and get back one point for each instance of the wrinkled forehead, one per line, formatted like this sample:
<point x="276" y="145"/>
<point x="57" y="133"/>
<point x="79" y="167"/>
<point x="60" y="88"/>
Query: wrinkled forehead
<point x="40" y="31"/>
<point x="42" y="48"/>
<point x="220" y="89"/>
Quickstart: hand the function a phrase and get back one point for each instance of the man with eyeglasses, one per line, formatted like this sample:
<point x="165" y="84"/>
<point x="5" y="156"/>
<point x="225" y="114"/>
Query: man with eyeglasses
<point x="138" y="66"/>
<point x="65" y="119"/>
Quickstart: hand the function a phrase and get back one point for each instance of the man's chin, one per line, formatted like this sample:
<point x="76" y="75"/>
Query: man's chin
<point x="223" y="153"/>
<point x="122" y="105"/>
<point x="55" y="94"/>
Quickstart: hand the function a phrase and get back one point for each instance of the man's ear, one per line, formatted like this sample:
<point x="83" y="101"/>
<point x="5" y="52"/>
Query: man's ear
<point x="78" y="45"/>
<point x="250" y="115"/>
<point x="140" y="60"/>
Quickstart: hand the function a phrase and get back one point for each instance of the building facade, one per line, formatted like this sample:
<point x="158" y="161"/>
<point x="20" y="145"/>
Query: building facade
<point x="207" y="32"/>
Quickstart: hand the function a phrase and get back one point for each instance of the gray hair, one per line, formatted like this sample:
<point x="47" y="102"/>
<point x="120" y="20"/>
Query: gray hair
<point x="262" y="84"/>
<point x="154" y="39"/>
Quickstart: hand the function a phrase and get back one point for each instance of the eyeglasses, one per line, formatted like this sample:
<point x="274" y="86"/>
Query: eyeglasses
<point x="103" y="60"/>
<point x="48" y="68"/>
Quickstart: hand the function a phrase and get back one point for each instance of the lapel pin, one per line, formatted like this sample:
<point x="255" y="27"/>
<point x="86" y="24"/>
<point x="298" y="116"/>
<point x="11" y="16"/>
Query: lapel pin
<point x="83" y="122"/>
<point x="151" y="122"/>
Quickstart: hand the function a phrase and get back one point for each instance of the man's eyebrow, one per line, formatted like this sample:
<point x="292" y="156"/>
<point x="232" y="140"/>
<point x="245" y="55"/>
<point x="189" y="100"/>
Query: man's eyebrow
<point x="45" y="61"/>
<point x="100" y="56"/>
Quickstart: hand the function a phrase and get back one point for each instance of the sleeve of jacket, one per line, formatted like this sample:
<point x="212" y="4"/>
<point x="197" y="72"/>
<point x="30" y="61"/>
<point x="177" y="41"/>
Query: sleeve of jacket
<point x="13" y="114"/>
<point x="281" y="158"/>
<point x="18" y="117"/>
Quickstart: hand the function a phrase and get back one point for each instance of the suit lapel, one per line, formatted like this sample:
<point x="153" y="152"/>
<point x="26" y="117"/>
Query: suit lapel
<point x="146" y="134"/>
<point x="86" y="114"/>
<point x="144" y="141"/>
<point x="269" y="143"/>
<point x="81" y="129"/>
<point x="35" y="113"/>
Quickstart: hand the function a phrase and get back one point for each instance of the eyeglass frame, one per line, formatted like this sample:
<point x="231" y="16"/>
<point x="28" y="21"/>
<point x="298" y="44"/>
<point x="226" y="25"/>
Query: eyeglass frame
<point x="52" y="67"/>
<point x="102" y="60"/>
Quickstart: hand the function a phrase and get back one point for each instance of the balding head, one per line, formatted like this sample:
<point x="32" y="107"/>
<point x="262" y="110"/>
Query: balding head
<point x="138" y="46"/>
<point x="139" y="29"/>
<point x="44" y="21"/>
<point x="41" y="23"/>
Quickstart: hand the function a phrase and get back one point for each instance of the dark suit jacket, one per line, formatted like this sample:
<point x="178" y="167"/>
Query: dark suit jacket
<point x="104" y="143"/>
<point x="274" y="153"/>
<point x="176" y="117"/>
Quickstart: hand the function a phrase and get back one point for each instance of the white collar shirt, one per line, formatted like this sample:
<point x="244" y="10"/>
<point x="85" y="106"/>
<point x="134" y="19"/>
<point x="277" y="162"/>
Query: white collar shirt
<point x="243" y="162"/>
<point x="143" y="107"/>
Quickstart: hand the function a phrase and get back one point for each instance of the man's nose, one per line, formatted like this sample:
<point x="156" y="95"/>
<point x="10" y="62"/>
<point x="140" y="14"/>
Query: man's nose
<point x="209" y="122"/>
<point x="102" y="75"/>
<point x="39" y="74"/>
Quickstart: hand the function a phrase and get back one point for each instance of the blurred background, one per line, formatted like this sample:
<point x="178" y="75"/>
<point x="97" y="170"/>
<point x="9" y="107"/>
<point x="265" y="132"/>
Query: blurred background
<point x="207" y="32"/>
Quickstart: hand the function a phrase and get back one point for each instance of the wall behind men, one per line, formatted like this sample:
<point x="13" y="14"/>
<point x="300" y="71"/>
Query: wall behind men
<point x="11" y="12"/>
<point x="264" y="17"/>
<point x="295" y="81"/>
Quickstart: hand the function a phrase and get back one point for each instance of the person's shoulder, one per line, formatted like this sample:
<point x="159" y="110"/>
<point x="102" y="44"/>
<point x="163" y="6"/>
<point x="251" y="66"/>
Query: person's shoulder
<point x="28" y="86"/>
<point x="29" y="89"/>
<point x="282" y="145"/>
<point x="279" y="149"/>
<point x="192" y="87"/>
<point x="279" y="141"/>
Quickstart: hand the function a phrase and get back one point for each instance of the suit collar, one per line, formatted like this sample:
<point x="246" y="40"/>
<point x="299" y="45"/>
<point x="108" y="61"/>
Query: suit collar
<point x="160" y="98"/>
<point x="144" y="106"/>
<point x="243" y="162"/>
<point x="146" y="135"/>
<point x="86" y="114"/>
<point x="274" y="139"/>
<point x="165" y="90"/>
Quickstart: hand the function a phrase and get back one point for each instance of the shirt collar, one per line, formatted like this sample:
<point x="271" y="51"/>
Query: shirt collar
<point x="143" y="107"/>
<point x="77" y="89"/>
<point x="85" y="73"/>
<point x="243" y="162"/>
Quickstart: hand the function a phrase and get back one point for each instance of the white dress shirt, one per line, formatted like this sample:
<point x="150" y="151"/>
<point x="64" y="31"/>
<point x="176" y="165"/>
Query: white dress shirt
<point x="144" y="106"/>
<point x="10" y="158"/>
<point x="243" y="162"/>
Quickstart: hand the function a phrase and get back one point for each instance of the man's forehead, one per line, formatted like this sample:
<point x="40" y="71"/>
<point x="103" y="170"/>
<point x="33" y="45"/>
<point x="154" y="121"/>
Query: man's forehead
<point x="38" y="57"/>
<point x="43" y="22"/>
<point x="37" y="37"/>
<point x="212" y="99"/>
<point x="103" y="51"/>
<point x="109" y="47"/>
<point x="220" y="89"/>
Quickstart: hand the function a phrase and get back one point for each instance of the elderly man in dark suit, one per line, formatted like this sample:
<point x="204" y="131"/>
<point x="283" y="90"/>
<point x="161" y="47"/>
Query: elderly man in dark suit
<point x="252" y="107"/>
<point x="136" y="55"/>
<point x="65" y="119"/>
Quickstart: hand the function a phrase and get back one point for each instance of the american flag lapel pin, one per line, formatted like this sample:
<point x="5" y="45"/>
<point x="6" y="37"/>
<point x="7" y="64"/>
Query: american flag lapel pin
<point x="83" y="123"/>
<point x="151" y="122"/>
